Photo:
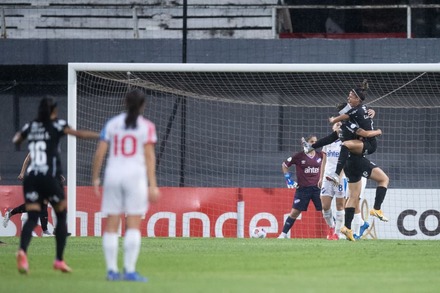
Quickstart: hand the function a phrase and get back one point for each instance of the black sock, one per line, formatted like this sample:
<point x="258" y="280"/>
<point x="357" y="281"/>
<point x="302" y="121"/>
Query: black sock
<point x="61" y="234"/>
<point x="44" y="216"/>
<point x="19" y="210"/>
<point x="288" y="224"/>
<point x="349" y="215"/>
<point x="326" y="140"/>
<point x="26" y="232"/>
<point x="343" y="156"/>
<point x="380" y="196"/>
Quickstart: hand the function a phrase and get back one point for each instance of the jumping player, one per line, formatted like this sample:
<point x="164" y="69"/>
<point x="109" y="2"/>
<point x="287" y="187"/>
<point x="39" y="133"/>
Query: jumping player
<point x="357" y="115"/>
<point x="359" y="166"/>
<point x="339" y="192"/>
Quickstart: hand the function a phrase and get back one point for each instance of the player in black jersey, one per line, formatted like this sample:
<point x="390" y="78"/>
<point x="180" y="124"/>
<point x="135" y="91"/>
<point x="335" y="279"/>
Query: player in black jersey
<point x="358" y="116"/>
<point x="21" y="209"/>
<point x="359" y="166"/>
<point x="356" y="167"/>
<point x="355" y="139"/>
<point x="41" y="183"/>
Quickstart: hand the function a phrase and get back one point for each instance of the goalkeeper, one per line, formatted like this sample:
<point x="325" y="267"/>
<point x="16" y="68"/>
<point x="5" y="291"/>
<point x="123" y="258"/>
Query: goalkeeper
<point x="307" y="169"/>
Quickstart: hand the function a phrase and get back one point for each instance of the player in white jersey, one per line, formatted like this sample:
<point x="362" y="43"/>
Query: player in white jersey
<point x="339" y="191"/>
<point x="129" y="182"/>
<point x="329" y="190"/>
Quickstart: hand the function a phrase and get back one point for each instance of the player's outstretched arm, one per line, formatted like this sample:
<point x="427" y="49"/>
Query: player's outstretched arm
<point x="84" y="134"/>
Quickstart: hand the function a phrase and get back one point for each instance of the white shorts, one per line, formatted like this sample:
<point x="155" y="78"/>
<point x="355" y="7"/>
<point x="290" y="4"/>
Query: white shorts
<point x="125" y="194"/>
<point x="329" y="189"/>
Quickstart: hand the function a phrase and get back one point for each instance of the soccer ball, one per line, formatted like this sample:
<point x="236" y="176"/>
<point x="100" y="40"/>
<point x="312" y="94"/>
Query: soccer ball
<point x="258" y="232"/>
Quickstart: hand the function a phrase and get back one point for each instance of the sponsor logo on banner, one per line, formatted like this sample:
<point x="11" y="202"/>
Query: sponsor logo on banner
<point x="232" y="212"/>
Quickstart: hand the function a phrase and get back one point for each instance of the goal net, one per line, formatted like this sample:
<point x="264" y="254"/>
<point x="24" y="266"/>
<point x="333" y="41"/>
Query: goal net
<point x="225" y="129"/>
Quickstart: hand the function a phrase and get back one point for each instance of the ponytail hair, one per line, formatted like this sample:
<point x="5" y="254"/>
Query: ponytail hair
<point x="361" y="90"/>
<point x="45" y="109"/>
<point x="134" y="100"/>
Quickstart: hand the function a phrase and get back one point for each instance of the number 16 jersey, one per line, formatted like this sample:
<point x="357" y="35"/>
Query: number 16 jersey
<point x="44" y="139"/>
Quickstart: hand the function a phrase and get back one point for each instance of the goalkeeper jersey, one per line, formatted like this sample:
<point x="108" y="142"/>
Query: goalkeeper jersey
<point x="307" y="168"/>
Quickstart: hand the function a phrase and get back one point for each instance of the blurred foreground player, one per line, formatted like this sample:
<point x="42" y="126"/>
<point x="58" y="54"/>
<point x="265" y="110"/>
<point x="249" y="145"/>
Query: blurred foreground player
<point x="41" y="183"/>
<point x="129" y="182"/>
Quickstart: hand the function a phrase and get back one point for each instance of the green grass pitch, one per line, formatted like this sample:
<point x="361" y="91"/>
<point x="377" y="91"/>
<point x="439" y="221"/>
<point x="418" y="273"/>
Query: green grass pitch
<point x="233" y="265"/>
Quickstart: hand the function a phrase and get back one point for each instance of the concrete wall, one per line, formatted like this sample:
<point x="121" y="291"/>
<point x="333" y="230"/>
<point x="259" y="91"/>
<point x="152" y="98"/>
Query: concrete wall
<point x="60" y="52"/>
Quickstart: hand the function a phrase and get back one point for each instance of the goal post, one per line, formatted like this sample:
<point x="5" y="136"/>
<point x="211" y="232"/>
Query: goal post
<point x="225" y="129"/>
<point x="71" y="150"/>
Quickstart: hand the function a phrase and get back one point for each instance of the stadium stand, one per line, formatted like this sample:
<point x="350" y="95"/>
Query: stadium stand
<point x="136" y="19"/>
<point x="240" y="19"/>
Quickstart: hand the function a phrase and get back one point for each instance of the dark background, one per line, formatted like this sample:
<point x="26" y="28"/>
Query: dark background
<point x="33" y="68"/>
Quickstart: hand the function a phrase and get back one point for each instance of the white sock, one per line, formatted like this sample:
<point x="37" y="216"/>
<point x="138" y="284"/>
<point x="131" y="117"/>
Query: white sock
<point x="132" y="245"/>
<point x="356" y="223"/>
<point x="340" y="217"/>
<point x="328" y="217"/>
<point x="110" y="246"/>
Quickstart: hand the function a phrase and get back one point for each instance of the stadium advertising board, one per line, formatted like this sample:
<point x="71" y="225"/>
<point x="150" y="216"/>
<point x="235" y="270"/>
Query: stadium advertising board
<point x="232" y="212"/>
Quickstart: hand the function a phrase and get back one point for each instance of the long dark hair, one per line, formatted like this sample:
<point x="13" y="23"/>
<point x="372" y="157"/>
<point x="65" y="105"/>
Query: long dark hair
<point x="134" y="100"/>
<point x="361" y="90"/>
<point x="45" y="109"/>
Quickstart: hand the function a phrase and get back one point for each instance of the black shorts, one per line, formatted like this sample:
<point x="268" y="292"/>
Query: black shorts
<point x="303" y="195"/>
<point x="370" y="146"/>
<point x="358" y="167"/>
<point x="42" y="189"/>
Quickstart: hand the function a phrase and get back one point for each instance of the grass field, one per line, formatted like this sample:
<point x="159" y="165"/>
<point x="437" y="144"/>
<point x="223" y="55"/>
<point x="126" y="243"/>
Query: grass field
<point x="233" y="265"/>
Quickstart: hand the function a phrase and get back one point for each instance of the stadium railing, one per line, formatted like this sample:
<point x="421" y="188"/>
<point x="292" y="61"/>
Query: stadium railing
<point x="244" y="19"/>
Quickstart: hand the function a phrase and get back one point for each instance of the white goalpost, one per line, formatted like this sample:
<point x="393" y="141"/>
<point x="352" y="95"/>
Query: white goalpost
<point x="225" y="129"/>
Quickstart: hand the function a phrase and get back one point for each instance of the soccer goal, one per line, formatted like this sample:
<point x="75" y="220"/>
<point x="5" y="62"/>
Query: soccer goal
<point x="225" y="129"/>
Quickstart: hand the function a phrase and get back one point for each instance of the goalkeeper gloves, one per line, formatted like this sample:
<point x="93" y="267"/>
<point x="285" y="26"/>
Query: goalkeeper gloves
<point x="290" y="183"/>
